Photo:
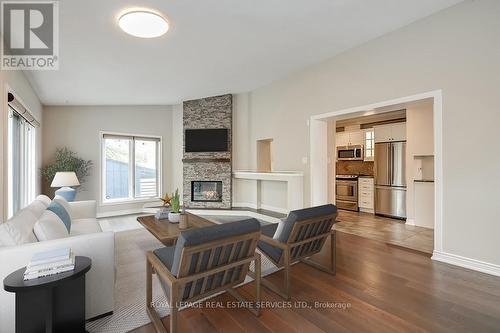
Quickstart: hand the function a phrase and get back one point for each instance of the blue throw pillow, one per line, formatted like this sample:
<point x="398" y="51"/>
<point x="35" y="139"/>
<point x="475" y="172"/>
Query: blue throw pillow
<point x="61" y="212"/>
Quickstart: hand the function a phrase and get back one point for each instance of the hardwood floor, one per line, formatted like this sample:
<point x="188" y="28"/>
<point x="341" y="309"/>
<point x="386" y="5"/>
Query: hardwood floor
<point x="386" y="230"/>
<point x="382" y="289"/>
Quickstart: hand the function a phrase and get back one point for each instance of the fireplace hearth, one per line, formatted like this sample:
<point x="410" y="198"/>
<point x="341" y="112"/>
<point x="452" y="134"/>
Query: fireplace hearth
<point x="206" y="191"/>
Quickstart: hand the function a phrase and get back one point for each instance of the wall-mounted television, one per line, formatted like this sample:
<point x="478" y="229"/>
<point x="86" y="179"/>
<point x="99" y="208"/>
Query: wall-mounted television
<point x="206" y="140"/>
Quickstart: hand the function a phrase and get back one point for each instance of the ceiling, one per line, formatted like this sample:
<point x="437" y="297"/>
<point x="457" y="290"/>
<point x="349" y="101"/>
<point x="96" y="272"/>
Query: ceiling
<point x="213" y="46"/>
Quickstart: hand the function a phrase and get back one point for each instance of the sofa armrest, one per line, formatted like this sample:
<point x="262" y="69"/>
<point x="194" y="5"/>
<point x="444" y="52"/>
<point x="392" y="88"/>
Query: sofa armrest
<point x="83" y="209"/>
<point x="99" y="281"/>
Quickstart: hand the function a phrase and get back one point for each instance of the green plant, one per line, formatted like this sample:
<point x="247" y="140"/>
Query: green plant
<point x="176" y="202"/>
<point x="67" y="160"/>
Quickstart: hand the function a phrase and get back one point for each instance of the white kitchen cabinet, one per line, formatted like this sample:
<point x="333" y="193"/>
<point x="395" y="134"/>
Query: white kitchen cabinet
<point x="356" y="138"/>
<point x="398" y="132"/>
<point x="390" y="132"/>
<point x="341" y="139"/>
<point x="366" y="194"/>
<point x="424" y="204"/>
<point x="351" y="138"/>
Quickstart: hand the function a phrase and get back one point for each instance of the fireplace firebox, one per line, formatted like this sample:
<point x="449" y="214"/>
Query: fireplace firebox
<point x="206" y="191"/>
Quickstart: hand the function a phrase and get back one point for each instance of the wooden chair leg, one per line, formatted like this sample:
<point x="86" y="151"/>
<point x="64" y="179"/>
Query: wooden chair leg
<point x="173" y="309"/>
<point x="333" y="251"/>
<point x="153" y="315"/>
<point x="275" y="289"/>
<point x="257" y="279"/>
<point x="287" y="275"/>
<point x="333" y="257"/>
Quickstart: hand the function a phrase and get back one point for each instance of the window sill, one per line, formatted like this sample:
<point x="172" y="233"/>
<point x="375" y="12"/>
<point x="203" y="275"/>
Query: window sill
<point x="127" y="202"/>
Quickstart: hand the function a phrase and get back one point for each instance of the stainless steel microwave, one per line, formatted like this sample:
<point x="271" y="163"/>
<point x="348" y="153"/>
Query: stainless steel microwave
<point x="350" y="153"/>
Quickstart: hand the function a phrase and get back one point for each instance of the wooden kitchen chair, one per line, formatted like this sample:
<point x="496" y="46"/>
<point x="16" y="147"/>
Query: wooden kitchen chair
<point x="301" y="235"/>
<point x="203" y="262"/>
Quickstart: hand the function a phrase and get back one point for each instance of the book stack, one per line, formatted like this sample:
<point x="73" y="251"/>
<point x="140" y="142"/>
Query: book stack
<point x="162" y="214"/>
<point x="49" y="263"/>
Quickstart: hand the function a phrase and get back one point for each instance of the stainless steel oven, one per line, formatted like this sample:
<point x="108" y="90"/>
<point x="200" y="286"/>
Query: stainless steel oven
<point x="350" y="153"/>
<point x="346" y="192"/>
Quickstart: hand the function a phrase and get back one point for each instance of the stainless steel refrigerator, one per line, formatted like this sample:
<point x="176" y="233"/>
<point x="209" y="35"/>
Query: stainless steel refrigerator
<point x="390" y="179"/>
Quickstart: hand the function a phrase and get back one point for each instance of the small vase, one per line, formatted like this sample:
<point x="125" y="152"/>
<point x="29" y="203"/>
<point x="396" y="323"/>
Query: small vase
<point x="174" y="217"/>
<point x="183" y="224"/>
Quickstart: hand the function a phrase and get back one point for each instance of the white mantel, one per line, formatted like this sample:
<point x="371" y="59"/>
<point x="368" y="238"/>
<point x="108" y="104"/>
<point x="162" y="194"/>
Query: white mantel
<point x="294" y="193"/>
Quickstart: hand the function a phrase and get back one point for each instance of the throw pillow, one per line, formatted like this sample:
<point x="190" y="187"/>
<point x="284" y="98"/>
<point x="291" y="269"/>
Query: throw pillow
<point x="58" y="209"/>
<point x="50" y="226"/>
<point x="45" y="199"/>
<point x="61" y="200"/>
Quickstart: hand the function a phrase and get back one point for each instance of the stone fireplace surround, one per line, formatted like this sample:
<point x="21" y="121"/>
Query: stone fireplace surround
<point x="210" y="112"/>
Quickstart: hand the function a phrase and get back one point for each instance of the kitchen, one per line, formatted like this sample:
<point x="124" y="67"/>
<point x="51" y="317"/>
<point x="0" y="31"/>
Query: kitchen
<point x="381" y="174"/>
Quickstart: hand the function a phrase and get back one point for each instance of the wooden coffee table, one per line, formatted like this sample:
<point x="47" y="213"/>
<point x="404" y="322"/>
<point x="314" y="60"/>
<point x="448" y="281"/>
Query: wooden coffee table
<point x="167" y="232"/>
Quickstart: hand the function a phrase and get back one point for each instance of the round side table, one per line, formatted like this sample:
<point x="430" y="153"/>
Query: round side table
<point x="53" y="303"/>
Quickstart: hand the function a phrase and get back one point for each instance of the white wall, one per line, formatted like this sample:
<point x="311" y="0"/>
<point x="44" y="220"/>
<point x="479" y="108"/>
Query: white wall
<point x="175" y="160"/>
<point x="78" y="128"/>
<point x="419" y="142"/>
<point x="456" y="50"/>
<point x="16" y="82"/>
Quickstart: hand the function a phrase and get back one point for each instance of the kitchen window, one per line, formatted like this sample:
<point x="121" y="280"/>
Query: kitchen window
<point x="369" y="145"/>
<point x="131" y="167"/>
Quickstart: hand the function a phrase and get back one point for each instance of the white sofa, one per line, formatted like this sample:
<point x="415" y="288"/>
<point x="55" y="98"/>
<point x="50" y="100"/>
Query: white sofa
<point x="18" y="243"/>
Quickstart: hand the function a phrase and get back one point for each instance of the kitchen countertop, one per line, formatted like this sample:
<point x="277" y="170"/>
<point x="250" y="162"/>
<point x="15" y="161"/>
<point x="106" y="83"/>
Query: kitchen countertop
<point x="423" y="180"/>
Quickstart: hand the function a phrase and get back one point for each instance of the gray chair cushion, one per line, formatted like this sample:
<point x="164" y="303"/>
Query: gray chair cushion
<point x="204" y="235"/>
<point x="269" y="229"/>
<point x="303" y="214"/>
<point x="166" y="256"/>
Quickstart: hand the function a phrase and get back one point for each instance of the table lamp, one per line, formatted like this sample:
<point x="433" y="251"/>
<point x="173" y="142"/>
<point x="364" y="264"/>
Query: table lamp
<point x="64" y="180"/>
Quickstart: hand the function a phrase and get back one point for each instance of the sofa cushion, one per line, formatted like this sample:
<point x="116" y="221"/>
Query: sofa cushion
<point x="207" y="234"/>
<point x="19" y="229"/>
<point x="37" y="207"/>
<point x="7" y="235"/>
<point x="61" y="212"/>
<point x="50" y="226"/>
<point x="45" y="199"/>
<point x="304" y="214"/>
<point x="84" y="226"/>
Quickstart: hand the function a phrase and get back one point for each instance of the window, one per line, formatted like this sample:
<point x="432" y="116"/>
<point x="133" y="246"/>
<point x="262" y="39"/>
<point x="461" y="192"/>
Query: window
<point x="21" y="184"/>
<point x="130" y="167"/>
<point x="369" y="145"/>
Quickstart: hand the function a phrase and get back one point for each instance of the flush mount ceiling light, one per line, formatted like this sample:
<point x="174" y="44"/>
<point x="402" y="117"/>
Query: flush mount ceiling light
<point x="143" y="23"/>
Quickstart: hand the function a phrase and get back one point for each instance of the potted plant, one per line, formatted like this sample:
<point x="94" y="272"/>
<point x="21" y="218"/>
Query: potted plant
<point x="175" y="203"/>
<point x="66" y="160"/>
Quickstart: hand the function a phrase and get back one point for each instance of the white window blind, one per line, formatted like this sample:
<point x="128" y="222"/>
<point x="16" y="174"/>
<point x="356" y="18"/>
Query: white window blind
<point x="21" y="162"/>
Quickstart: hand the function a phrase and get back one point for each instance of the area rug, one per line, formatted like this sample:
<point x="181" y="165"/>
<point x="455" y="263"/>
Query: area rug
<point x="130" y="287"/>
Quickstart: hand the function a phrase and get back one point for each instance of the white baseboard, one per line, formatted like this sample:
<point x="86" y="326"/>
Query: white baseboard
<point x="274" y="209"/>
<point x="410" y="221"/>
<point x="244" y="205"/>
<point x="254" y="206"/>
<point x="464" y="262"/>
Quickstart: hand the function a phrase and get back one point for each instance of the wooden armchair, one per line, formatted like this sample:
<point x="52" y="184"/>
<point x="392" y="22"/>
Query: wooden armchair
<point x="203" y="262"/>
<point x="300" y="236"/>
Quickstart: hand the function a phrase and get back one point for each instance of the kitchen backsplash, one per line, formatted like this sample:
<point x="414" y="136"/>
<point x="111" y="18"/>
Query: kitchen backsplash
<point x="354" y="168"/>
